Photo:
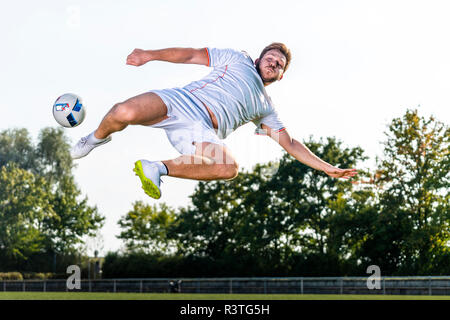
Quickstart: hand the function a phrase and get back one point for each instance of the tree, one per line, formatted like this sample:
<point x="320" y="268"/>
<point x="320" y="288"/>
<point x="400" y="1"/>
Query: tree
<point x="69" y="217"/>
<point x="308" y="201"/>
<point x="16" y="146"/>
<point x="23" y="203"/>
<point x="145" y="228"/>
<point x="411" y="232"/>
<point x="75" y="218"/>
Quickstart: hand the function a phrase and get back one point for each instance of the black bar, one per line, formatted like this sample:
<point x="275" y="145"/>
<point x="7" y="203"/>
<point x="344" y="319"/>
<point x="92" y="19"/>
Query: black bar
<point x="223" y="309"/>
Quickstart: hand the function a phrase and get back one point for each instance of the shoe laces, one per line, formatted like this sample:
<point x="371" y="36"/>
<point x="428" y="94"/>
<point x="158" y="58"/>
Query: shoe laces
<point x="83" y="141"/>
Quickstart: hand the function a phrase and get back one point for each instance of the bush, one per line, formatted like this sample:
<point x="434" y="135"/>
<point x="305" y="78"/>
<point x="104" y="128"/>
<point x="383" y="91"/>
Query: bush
<point x="144" y="265"/>
<point x="11" y="276"/>
<point x="38" y="276"/>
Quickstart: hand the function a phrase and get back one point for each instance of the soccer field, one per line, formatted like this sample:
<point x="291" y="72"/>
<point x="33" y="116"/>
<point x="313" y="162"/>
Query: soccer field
<point x="180" y="296"/>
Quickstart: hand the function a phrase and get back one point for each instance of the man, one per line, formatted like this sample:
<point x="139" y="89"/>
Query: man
<point x="198" y="116"/>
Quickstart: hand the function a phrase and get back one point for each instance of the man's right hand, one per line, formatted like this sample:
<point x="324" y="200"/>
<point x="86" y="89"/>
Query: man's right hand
<point x="138" y="57"/>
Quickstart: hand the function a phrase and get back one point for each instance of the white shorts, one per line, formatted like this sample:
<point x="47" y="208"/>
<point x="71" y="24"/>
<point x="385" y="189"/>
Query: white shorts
<point x="188" y="121"/>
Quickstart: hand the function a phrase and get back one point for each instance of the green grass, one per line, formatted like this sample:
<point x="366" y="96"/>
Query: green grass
<point x="180" y="296"/>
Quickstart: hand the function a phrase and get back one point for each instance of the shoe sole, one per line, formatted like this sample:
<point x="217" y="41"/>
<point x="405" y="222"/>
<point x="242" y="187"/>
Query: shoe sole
<point x="147" y="185"/>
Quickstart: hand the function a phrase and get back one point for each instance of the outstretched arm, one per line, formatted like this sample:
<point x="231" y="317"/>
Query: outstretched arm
<point x="175" y="55"/>
<point x="300" y="152"/>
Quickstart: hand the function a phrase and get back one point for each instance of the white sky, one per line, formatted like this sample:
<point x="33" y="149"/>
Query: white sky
<point x="356" y="65"/>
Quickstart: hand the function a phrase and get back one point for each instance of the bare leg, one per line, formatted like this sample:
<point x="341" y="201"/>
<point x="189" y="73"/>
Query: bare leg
<point x="210" y="162"/>
<point x="144" y="109"/>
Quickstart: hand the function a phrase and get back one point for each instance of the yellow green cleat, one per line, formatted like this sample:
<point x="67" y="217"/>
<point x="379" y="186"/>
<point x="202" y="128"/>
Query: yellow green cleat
<point x="150" y="185"/>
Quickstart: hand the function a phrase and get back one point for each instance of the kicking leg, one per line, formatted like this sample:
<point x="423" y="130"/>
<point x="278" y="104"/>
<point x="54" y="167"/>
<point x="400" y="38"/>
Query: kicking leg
<point x="144" y="109"/>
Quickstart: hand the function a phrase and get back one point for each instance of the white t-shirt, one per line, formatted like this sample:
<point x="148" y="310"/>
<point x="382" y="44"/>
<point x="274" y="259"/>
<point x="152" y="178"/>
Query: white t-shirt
<point x="235" y="93"/>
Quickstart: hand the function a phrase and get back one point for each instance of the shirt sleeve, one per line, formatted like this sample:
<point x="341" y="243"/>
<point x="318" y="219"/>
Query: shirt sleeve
<point x="222" y="57"/>
<point x="271" y="120"/>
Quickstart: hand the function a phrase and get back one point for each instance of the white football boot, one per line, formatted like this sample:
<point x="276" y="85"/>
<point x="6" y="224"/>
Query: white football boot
<point x="86" y="144"/>
<point x="149" y="173"/>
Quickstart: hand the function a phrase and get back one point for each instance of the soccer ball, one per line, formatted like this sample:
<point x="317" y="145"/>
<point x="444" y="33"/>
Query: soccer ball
<point x="68" y="110"/>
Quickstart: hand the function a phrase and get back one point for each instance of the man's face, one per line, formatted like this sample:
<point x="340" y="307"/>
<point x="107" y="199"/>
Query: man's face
<point x="270" y="67"/>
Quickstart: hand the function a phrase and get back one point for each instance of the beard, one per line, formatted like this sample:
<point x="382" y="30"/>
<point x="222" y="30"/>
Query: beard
<point x="264" y="80"/>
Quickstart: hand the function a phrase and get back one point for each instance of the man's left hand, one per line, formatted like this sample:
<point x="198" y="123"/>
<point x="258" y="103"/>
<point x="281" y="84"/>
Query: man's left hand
<point x="341" y="173"/>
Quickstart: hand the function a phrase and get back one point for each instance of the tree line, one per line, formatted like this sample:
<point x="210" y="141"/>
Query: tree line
<point x="280" y="218"/>
<point x="286" y="219"/>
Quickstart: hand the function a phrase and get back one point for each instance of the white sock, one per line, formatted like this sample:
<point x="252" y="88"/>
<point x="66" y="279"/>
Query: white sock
<point x="93" y="140"/>
<point x="162" y="168"/>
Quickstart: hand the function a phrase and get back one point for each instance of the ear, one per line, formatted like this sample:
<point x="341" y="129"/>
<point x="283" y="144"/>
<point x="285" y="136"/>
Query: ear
<point x="256" y="61"/>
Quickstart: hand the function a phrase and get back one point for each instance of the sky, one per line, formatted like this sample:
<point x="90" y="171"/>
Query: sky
<point x="356" y="65"/>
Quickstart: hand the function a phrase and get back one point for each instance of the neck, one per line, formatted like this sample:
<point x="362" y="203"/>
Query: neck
<point x="266" y="83"/>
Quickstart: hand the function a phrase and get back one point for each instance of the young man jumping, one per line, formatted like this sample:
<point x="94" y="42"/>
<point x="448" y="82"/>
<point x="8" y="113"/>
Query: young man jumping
<point x="198" y="116"/>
